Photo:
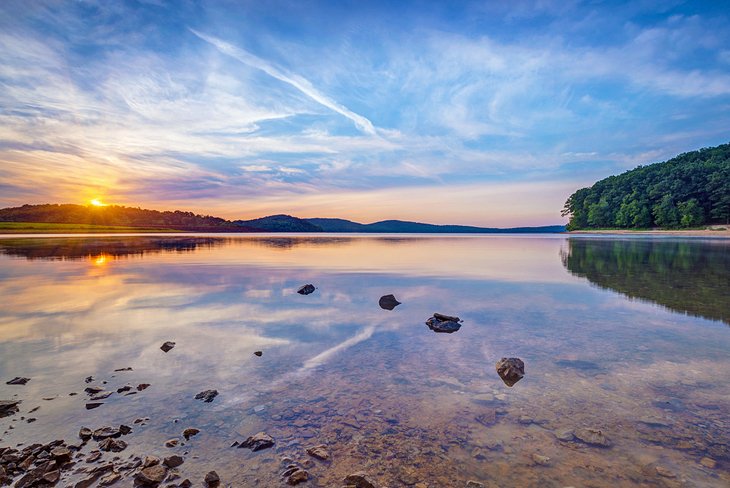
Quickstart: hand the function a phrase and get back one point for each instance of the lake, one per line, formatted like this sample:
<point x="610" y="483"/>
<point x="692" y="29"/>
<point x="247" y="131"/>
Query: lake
<point x="625" y="343"/>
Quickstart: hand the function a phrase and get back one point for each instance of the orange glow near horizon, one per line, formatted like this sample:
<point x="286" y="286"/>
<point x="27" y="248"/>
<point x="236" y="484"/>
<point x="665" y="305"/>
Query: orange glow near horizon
<point x="97" y="203"/>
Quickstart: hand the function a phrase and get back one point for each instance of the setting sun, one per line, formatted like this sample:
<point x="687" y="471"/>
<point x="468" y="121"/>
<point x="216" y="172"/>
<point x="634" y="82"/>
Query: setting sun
<point x="97" y="203"/>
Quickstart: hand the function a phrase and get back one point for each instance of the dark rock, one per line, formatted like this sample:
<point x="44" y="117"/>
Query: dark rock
<point x="319" y="452"/>
<point x="101" y="396"/>
<point x="125" y="429"/>
<point x="212" y="479"/>
<point x="151" y="476"/>
<point x="298" y="476"/>
<point x="93" y="390"/>
<point x="388" y="302"/>
<point x="207" y="396"/>
<point x="18" y="380"/>
<point x="88" y="379"/>
<point x="592" y="437"/>
<point x="110" y="479"/>
<point x="258" y="353"/>
<point x="172" y="442"/>
<point x="61" y="454"/>
<point x="91" y="406"/>
<point x="167" y="346"/>
<point x="258" y="442"/>
<point x="443" y="323"/>
<point x="113" y="445"/>
<point x="150" y="461"/>
<point x="143" y="386"/>
<point x="511" y="370"/>
<point x="359" y="480"/>
<point x="8" y="407"/>
<point x="124" y="388"/>
<point x="124" y="369"/>
<point x="306" y="289"/>
<point x="173" y="461"/>
<point x="52" y="477"/>
<point x="190" y="432"/>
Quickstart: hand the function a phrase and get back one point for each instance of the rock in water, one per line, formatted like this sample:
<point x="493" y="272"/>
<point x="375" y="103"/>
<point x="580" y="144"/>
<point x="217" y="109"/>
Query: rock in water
<point x="8" y="407"/>
<point x="443" y="323"/>
<point x="207" y="396"/>
<point x="18" y="380"/>
<point x="359" y="480"/>
<point x="298" y="476"/>
<point x="592" y="437"/>
<point x="167" y="346"/>
<point x="190" y="432"/>
<point x="212" y="479"/>
<point x="258" y="442"/>
<point x="511" y="370"/>
<point x="152" y="476"/>
<point x="306" y="289"/>
<point x="258" y="353"/>
<point x="388" y="302"/>
<point x="113" y="445"/>
<point x="320" y="452"/>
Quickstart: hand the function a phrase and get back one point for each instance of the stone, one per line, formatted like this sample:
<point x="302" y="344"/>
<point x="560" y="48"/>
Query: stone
<point x="151" y="476"/>
<point x="541" y="460"/>
<point x="359" y="480"/>
<point x="258" y="353"/>
<point x="88" y="379"/>
<point x="93" y="405"/>
<point x="93" y="456"/>
<point x="388" y="302"/>
<point x="474" y="484"/>
<point x="306" y="289"/>
<point x="93" y="390"/>
<point x="212" y="479"/>
<point x="565" y="435"/>
<point x="172" y="442"/>
<point x="319" y="452"/>
<point x="511" y="370"/>
<point x="173" y="461"/>
<point x="52" y="477"/>
<point x="18" y="380"/>
<point x="167" y="346"/>
<point x="592" y="437"/>
<point x="664" y="472"/>
<point x="128" y="368"/>
<point x="143" y="386"/>
<point x="190" y="432"/>
<point x="207" y="396"/>
<point x="110" y="479"/>
<point x="102" y="396"/>
<point x="443" y="323"/>
<point x="124" y="388"/>
<point x="487" y="418"/>
<point x="257" y="442"/>
<point x="105" y="433"/>
<point x="708" y="462"/>
<point x="8" y="407"/>
<point x="298" y="476"/>
<point x="85" y="433"/>
<point x="61" y="454"/>
<point x="125" y="429"/>
<point x="113" y="445"/>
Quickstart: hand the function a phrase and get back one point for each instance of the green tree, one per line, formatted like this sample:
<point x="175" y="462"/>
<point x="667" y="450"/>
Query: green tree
<point x="690" y="213"/>
<point x="666" y="213"/>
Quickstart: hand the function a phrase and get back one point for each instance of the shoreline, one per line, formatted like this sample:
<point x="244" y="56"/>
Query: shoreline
<point x="657" y="232"/>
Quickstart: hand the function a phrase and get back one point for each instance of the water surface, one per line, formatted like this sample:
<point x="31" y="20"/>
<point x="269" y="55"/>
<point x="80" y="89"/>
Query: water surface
<point x="626" y="335"/>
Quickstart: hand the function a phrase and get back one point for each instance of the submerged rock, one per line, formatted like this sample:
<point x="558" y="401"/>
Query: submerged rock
<point x="152" y="476"/>
<point x="8" y="407"/>
<point x="443" y="323"/>
<point x="511" y="370"/>
<point x="257" y="442"/>
<point x="319" y="452"/>
<point x="592" y="437"/>
<point x="212" y="479"/>
<point x="18" y="380"/>
<point x="207" y="396"/>
<point x="190" y="432"/>
<point x="306" y="289"/>
<point x="359" y="480"/>
<point x="298" y="476"/>
<point x="167" y="346"/>
<point x="388" y="302"/>
<point x="258" y="353"/>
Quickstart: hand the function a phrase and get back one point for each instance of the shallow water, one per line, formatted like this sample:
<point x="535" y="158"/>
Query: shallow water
<point x="626" y="335"/>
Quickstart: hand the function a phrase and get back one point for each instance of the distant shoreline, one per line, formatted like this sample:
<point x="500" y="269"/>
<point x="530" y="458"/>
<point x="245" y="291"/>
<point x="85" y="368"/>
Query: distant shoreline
<point x="709" y="232"/>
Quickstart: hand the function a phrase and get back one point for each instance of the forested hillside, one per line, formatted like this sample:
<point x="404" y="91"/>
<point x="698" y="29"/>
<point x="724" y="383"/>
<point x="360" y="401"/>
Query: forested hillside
<point x="687" y="191"/>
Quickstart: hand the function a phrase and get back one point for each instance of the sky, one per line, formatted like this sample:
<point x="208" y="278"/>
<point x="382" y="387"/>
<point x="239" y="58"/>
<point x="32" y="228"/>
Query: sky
<point x="478" y="113"/>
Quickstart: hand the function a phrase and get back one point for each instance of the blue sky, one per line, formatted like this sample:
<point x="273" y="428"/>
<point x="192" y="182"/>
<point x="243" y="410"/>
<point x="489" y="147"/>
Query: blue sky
<point x="486" y="113"/>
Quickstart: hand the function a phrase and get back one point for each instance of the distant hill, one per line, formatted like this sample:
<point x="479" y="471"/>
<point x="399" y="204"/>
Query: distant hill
<point x="280" y="223"/>
<point x="129" y="217"/>
<point x="115" y="215"/>
<point x="689" y="190"/>
<point x="402" y="226"/>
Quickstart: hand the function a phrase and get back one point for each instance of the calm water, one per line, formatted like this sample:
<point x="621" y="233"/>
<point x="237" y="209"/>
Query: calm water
<point x="629" y="336"/>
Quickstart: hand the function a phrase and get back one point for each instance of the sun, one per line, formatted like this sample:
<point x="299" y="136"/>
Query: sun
<point x="97" y="203"/>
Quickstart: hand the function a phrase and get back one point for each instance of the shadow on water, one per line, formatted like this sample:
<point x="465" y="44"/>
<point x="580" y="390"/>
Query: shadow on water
<point x="684" y="276"/>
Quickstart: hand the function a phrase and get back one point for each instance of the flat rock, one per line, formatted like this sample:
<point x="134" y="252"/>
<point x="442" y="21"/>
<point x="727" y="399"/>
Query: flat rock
<point x="172" y="442"/>
<point x="708" y="462"/>
<point x="541" y="460"/>
<point x="511" y="370"/>
<point x="443" y="323"/>
<point x="359" y="480"/>
<point x="113" y="445"/>
<point x="151" y="476"/>
<point x="319" y="452"/>
<point x="298" y="476"/>
<point x="18" y="380"/>
<point x="306" y="289"/>
<point x="190" y="432"/>
<point x="167" y="346"/>
<point x="61" y="454"/>
<point x="8" y="407"/>
<point x="258" y="442"/>
<point x="388" y="302"/>
<point x="474" y="484"/>
<point x="105" y="433"/>
<point x="173" y="461"/>
<point x="143" y="386"/>
<point x="207" y="396"/>
<point x="85" y="433"/>
<point x="258" y="353"/>
<point x="93" y="405"/>
<point x="565" y="435"/>
<point x="592" y="437"/>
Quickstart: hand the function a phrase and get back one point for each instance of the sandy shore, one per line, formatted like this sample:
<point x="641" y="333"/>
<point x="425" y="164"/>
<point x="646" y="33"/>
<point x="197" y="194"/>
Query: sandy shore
<point x="716" y="231"/>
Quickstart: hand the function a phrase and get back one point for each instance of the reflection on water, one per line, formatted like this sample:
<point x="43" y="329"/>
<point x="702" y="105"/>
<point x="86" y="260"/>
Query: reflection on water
<point x="684" y="276"/>
<point x="616" y="392"/>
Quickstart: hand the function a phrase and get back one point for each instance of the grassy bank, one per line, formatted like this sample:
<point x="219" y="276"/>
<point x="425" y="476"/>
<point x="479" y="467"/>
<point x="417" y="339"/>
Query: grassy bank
<point x="52" y="228"/>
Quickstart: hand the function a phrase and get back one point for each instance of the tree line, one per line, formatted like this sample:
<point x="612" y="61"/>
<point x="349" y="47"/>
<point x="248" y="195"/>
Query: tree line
<point x="689" y="190"/>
